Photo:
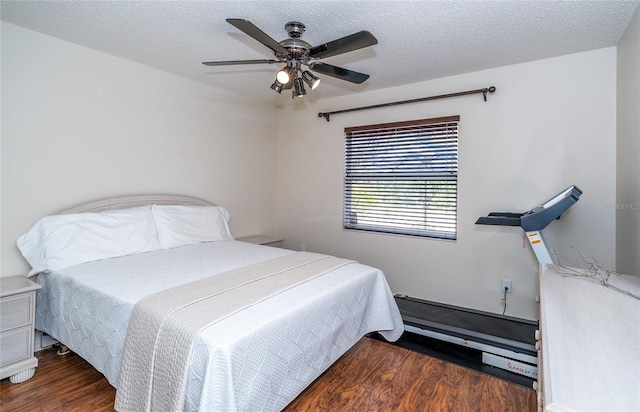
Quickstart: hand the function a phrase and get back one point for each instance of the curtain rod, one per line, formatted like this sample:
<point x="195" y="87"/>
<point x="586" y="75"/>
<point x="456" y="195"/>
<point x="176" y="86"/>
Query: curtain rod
<point x="422" y="99"/>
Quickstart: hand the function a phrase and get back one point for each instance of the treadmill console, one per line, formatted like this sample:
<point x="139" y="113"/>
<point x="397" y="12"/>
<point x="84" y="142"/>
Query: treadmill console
<point x="536" y="219"/>
<point x="539" y="217"/>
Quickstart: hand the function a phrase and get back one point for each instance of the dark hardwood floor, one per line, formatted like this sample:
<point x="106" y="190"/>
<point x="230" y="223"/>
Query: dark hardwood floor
<point x="61" y="383"/>
<point x="372" y="376"/>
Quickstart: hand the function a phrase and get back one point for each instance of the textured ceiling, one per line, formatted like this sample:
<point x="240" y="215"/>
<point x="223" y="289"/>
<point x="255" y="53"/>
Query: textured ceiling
<point x="418" y="40"/>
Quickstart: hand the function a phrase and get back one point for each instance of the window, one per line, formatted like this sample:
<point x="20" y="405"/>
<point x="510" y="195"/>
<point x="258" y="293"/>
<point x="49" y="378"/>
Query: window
<point x="402" y="178"/>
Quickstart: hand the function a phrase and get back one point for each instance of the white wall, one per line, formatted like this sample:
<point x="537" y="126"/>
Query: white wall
<point x="80" y="125"/>
<point x="550" y="124"/>
<point x="628" y="151"/>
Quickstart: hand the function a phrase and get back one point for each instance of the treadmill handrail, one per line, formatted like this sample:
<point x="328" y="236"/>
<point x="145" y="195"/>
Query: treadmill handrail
<point x="498" y="221"/>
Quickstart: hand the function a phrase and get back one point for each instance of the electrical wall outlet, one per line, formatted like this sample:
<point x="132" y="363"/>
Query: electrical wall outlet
<point x="506" y="284"/>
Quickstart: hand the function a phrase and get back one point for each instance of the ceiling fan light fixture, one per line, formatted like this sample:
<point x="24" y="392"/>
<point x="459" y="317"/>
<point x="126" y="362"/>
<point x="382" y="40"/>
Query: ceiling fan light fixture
<point x="298" y="88"/>
<point x="312" y="80"/>
<point x="284" y="75"/>
<point x="295" y="52"/>
<point x="277" y="86"/>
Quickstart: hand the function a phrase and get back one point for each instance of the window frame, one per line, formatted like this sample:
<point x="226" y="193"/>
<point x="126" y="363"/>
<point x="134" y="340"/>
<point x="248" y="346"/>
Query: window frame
<point x="381" y="159"/>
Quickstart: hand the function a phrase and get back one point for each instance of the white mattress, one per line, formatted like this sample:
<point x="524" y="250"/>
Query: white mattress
<point x="258" y="359"/>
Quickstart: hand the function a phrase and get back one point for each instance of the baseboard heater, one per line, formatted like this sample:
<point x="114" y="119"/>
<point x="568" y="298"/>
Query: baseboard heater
<point x="505" y="342"/>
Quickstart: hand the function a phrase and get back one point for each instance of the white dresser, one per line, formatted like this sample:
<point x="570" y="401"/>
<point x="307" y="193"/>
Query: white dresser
<point x="17" y="311"/>
<point x="590" y="344"/>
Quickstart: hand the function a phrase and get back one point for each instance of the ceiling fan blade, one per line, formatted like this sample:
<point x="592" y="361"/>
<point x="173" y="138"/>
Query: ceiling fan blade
<point x="346" y="44"/>
<point x="339" y="72"/>
<point x="233" y="62"/>
<point x="249" y="28"/>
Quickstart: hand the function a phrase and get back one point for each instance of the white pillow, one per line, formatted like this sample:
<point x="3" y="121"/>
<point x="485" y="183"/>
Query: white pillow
<point x="59" y="241"/>
<point x="186" y="225"/>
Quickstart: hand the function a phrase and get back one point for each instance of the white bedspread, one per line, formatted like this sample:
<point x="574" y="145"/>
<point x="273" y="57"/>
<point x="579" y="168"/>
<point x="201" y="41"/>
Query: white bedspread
<point x="257" y="359"/>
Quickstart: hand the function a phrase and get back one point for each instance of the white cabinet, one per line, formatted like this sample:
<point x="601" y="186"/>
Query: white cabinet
<point x="590" y="352"/>
<point x="17" y="311"/>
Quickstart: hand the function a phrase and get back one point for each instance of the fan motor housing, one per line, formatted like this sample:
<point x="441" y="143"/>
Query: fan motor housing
<point x="294" y="29"/>
<point x="295" y="45"/>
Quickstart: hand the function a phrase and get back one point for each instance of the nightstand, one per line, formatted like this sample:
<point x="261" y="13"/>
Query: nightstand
<point x="262" y="240"/>
<point x="17" y="312"/>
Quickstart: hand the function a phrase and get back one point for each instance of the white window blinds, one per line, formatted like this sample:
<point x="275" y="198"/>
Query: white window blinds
<point x="402" y="178"/>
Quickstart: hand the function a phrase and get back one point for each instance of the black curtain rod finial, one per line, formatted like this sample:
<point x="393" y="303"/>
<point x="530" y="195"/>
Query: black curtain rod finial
<point x="490" y="90"/>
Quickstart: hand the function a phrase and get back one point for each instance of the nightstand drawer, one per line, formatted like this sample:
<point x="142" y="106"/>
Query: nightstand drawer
<point x="15" y="345"/>
<point x="16" y="311"/>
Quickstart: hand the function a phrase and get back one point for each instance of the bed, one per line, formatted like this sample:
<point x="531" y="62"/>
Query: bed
<point x="259" y="357"/>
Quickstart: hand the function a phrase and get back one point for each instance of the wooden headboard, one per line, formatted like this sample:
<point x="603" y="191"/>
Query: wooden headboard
<point x="125" y="202"/>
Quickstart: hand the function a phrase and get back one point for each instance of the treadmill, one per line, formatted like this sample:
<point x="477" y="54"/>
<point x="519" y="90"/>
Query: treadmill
<point x="505" y="342"/>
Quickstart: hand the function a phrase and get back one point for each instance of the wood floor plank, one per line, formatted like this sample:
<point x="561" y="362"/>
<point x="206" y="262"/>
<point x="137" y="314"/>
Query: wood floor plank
<point x="445" y="389"/>
<point x="382" y="384"/>
<point x="470" y="390"/>
<point x="372" y="376"/>
<point x="424" y="393"/>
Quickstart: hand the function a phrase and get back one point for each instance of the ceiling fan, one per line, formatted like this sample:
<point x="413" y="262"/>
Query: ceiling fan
<point x="295" y="53"/>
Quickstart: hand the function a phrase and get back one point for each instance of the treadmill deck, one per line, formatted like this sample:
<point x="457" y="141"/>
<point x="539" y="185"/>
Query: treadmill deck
<point x="505" y="332"/>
